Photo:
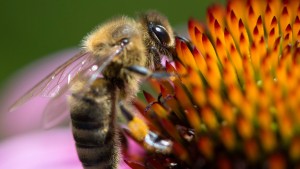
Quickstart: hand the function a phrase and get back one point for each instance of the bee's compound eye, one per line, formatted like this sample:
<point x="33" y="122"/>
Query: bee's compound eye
<point x="124" y="41"/>
<point x="161" y="33"/>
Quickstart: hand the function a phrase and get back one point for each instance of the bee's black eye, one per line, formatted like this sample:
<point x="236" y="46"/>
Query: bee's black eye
<point x="160" y="33"/>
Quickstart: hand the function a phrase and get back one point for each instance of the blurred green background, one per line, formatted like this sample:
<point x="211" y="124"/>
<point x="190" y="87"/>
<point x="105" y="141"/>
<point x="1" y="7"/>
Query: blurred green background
<point x="32" y="29"/>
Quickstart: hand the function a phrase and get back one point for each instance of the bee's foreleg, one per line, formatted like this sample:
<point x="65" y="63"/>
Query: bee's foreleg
<point x="156" y="58"/>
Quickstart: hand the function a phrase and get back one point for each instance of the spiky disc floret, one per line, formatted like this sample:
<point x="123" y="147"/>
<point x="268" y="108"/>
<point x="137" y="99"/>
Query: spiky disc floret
<point x="236" y="102"/>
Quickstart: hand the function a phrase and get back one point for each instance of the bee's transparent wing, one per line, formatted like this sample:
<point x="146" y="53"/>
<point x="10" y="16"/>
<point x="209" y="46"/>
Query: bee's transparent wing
<point x="83" y="65"/>
<point x="50" y="86"/>
<point x="57" y="110"/>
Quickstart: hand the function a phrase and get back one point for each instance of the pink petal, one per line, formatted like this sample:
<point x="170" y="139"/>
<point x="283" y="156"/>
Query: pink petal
<point x="51" y="149"/>
<point x="46" y="149"/>
<point x="29" y="115"/>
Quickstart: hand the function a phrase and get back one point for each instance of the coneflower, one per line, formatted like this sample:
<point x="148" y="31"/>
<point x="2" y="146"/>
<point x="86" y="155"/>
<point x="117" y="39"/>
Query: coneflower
<point x="235" y="102"/>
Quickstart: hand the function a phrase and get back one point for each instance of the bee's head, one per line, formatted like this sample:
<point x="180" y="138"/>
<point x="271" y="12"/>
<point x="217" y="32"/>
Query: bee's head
<point x="118" y="33"/>
<point x="158" y="36"/>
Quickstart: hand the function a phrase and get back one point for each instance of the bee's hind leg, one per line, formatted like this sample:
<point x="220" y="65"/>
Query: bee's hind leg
<point x="136" y="127"/>
<point x="139" y="130"/>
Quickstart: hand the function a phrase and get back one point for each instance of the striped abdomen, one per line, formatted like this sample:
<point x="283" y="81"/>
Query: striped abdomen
<point x="93" y="122"/>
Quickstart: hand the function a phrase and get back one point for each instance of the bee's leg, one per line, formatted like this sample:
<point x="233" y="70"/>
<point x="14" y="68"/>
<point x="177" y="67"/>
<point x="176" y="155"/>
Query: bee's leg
<point x="156" y="59"/>
<point x="155" y="55"/>
<point x="137" y="128"/>
<point x="140" y="131"/>
<point x="143" y="71"/>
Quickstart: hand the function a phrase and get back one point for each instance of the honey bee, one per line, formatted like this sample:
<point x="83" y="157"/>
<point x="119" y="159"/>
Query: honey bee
<point x="109" y="69"/>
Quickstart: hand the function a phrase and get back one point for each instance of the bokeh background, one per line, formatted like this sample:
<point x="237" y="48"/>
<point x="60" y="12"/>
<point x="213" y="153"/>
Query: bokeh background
<point x="32" y="29"/>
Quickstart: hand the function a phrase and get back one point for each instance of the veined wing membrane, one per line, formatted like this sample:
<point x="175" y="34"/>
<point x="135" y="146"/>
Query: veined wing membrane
<point x="51" y="84"/>
<point x="57" y="109"/>
<point x="60" y="78"/>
